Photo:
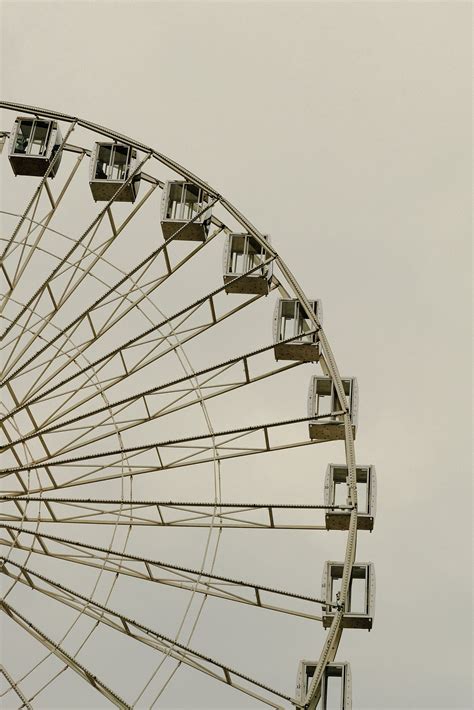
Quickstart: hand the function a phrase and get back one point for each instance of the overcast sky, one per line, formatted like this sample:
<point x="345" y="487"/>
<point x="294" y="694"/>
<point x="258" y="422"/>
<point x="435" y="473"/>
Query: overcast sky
<point x="343" y="130"/>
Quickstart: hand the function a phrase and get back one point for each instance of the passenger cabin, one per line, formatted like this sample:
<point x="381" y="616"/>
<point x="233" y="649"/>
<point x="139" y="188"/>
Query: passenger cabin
<point x="323" y="403"/>
<point x="290" y="320"/>
<point x="336" y="685"/>
<point x="336" y="493"/>
<point x="110" y="167"/>
<point x="181" y="201"/>
<point x="360" y="603"/>
<point x="242" y="252"/>
<point x="34" y="143"/>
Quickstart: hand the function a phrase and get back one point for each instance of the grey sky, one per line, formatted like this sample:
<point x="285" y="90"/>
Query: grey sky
<point x="343" y="130"/>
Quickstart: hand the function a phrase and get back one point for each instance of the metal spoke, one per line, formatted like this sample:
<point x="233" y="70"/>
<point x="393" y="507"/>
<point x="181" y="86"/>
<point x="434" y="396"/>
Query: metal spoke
<point x="79" y="266"/>
<point x="151" y="337"/>
<point x="144" y="634"/>
<point x="163" y="513"/>
<point x="221" y="444"/>
<point x="60" y="653"/>
<point x="97" y="331"/>
<point x="37" y="193"/>
<point x="43" y="225"/>
<point x="147" y="398"/>
<point x="43" y="287"/>
<point x="146" y="569"/>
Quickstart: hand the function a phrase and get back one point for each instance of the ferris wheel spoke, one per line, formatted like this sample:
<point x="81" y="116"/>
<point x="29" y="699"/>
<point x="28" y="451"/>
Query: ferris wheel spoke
<point x="28" y="249"/>
<point x="144" y="348"/>
<point x="54" y="301"/>
<point x="68" y="350"/>
<point x="20" y="244"/>
<point x="37" y="295"/>
<point x="36" y="195"/>
<point x="163" y="513"/>
<point x="68" y="275"/>
<point x="62" y="655"/>
<point x="140" y="269"/>
<point x="99" y="318"/>
<point x="98" y="252"/>
<point x="48" y="252"/>
<point x="141" y="633"/>
<point x="133" y="296"/>
<point x="184" y="578"/>
<point x="214" y="381"/>
<point x="177" y="453"/>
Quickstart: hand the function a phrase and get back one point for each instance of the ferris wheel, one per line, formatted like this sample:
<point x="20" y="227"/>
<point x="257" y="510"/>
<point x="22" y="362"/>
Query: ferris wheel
<point x="164" y="383"/>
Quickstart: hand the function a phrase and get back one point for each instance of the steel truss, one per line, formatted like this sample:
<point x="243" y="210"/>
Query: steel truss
<point x="160" y="513"/>
<point x="145" y="569"/>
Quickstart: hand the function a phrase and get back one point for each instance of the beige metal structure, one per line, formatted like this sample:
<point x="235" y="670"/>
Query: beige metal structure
<point x="98" y="392"/>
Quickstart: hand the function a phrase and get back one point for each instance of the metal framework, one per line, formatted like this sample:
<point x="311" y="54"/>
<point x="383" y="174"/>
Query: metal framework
<point x="89" y="375"/>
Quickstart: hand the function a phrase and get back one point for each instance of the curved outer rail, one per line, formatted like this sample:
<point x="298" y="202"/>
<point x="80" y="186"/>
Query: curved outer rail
<point x="334" y="634"/>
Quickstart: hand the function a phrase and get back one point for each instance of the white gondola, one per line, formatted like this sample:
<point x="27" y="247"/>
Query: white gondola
<point x="33" y="145"/>
<point x="335" y="493"/>
<point x="181" y="201"/>
<point x="336" y="686"/>
<point x="360" y="604"/>
<point x="290" y="320"/>
<point x="242" y="252"/>
<point x="110" y="167"/>
<point x="323" y="402"/>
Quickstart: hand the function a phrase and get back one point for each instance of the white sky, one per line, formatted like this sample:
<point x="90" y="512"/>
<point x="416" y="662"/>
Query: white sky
<point x="343" y="130"/>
